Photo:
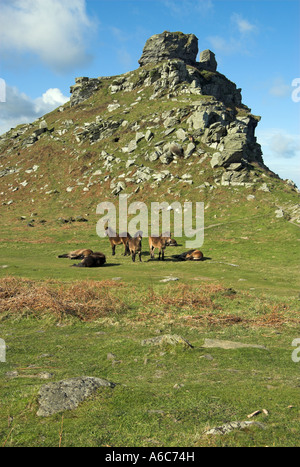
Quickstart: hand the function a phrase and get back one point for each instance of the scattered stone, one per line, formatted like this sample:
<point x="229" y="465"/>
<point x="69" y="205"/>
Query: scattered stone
<point x="231" y="426"/>
<point x="67" y="394"/>
<point x="178" y="386"/>
<point x="189" y="150"/>
<point x="181" y="134"/>
<point x="154" y="156"/>
<point x="129" y="163"/>
<point x="169" y="131"/>
<point x="207" y="357"/>
<point x="43" y="125"/>
<point x="45" y="375"/>
<point x="291" y="183"/>
<point x="279" y="213"/>
<point x="139" y="136"/>
<point x="132" y="146"/>
<point x="166" y="158"/>
<point x="148" y="135"/>
<point x="111" y="356"/>
<point x="264" y="187"/>
<point x="168" y="279"/>
<point x="11" y="374"/>
<point x="167" y="339"/>
<point x="217" y="343"/>
<point x="112" y="107"/>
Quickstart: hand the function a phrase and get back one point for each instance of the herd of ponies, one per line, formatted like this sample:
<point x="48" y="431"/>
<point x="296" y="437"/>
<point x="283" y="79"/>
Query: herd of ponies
<point x="133" y="247"/>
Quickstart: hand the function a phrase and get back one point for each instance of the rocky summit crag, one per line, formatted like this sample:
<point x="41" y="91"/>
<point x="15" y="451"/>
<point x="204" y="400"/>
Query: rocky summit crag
<point x="174" y="122"/>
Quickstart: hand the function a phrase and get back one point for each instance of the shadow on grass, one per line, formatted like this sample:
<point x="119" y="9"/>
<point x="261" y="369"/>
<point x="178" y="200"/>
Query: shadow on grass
<point x="106" y="265"/>
<point x="178" y="259"/>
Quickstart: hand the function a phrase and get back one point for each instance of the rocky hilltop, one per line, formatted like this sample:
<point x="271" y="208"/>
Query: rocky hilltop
<point x="215" y="121"/>
<point x="173" y="126"/>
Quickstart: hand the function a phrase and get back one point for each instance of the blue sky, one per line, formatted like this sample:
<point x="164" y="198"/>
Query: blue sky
<point x="45" y="44"/>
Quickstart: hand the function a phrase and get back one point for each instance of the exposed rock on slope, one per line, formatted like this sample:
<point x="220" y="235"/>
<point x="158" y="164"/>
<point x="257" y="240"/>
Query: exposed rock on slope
<point x="170" y="45"/>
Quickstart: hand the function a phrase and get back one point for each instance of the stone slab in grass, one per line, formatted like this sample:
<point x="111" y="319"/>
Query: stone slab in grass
<point x="167" y="339"/>
<point x="67" y="394"/>
<point x="231" y="426"/>
<point x="222" y="344"/>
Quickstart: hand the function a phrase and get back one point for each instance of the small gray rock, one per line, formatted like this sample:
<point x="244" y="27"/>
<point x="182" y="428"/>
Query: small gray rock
<point x="228" y="427"/>
<point x="211" y="343"/>
<point x="67" y="394"/>
<point x="169" y="279"/>
<point x="171" y="339"/>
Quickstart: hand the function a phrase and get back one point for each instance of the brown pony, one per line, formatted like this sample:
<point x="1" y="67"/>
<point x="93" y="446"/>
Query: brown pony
<point x="194" y="255"/>
<point x="172" y="242"/>
<point x="135" y="245"/>
<point x="159" y="242"/>
<point x="191" y="255"/>
<point x="94" y="260"/>
<point x="77" y="254"/>
<point x="116" y="239"/>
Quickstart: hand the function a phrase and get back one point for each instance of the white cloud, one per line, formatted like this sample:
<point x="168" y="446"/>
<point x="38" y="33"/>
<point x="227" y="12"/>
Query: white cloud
<point x="224" y="46"/>
<point x="244" y="26"/>
<point x="281" y="152"/>
<point x="19" y="108"/>
<point x="237" y="40"/>
<point x="279" y="143"/>
<point x="53" y="30"/>
<point x="187" y="7"/>
<point x="50" y="100"/>
<point x="279" y="88"/>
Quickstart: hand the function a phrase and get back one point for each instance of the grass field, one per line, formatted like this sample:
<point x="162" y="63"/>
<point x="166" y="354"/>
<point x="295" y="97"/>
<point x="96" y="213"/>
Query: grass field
<point x="65" y="322"/>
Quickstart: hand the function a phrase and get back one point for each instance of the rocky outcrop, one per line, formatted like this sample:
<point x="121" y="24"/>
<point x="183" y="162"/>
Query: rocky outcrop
<point x="177" y="77"/>
<point x="177" y="46"/>
<point x="232" y="137"/>
<point x="168" y="46"/>
<point x="208" y="60"/>
<point x="173" y="56"/>
<point x="96" y="131"/>
<point x="83" y="89"/>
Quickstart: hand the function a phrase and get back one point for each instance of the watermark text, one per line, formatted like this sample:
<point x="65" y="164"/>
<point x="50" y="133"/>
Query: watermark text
<point x="296" y="352"/>
<point x="2" y="351"/>
<point x="188" y="220"/>
<point x="296" y="91"/>
<point x="2" y="90"/>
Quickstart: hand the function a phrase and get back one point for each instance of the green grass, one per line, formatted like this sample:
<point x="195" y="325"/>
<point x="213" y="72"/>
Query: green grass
<point x="260" y="254"/>
<point x="163" y="397"/>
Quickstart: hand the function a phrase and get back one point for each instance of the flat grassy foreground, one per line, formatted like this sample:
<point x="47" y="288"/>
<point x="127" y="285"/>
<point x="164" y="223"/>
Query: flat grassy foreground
<point x="61" y="322"/>
<point x="164" y="395"/>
